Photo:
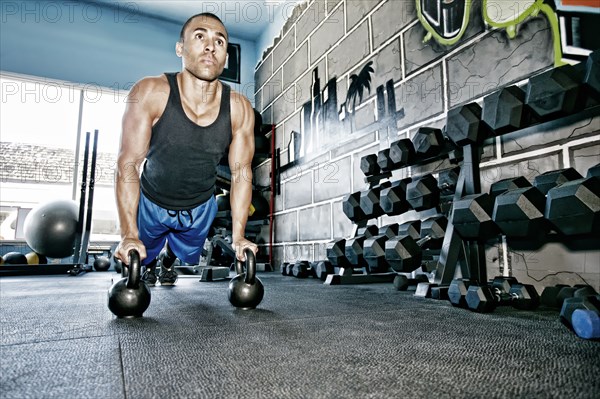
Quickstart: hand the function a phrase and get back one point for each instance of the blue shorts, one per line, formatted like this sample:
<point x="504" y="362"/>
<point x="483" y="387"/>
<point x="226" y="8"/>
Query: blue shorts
<point x="185" y="230"/>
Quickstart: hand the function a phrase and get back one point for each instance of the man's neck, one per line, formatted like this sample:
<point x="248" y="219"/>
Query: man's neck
<point x="197" y="91"/>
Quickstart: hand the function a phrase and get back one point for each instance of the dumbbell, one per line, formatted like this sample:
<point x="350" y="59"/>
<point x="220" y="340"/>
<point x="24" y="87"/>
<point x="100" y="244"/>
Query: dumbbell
<point x="284" y="268"/>
<point x="363" y="205"/>
<point x="457" y="292"/>
<point x="464" y="125"/>
<point x="572" y="207"/>
<point x="393" y="199"/>
<point x="593" y="171"/>
<point x="519" y="207"/>
<point x="554" y="296"/>
<point x="484" y="299"/>
<point x="428" y="142"/>
<point x="404" y="253"/>
<point x="423" y="193"/>
<point x="548" y="180"/>
<point x="351" y="207"/>
<point x="323" y="268"/>
<point x="419" y="193"/>
<point x="590" y="72"/>
<point x="303" y="269"/>
<point x="369" y="201"/>
<point x="582" y="314"/>
<point x="336" y="253"/>
<point x="353" y="249"/>
<point x="374" y="248"/>
<point x="369" y="166"/>
<point x="403" y="283"/>
<point x="400" y="154"/>
<point x="505" y="110"/>
<point x="555" y="93"/>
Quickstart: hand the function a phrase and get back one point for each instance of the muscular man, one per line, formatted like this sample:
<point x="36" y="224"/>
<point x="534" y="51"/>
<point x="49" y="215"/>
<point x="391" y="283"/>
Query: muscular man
<point x="176" y="129"/>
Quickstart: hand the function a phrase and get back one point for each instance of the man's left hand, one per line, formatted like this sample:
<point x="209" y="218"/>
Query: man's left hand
<point x="240" y="245"/>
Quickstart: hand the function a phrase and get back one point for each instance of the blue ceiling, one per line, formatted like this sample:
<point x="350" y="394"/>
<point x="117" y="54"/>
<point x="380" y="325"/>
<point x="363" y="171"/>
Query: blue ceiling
<point x="243" y="19"/>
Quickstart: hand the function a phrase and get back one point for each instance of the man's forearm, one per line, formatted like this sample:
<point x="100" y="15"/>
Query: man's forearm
<point x="128" y="196"/>
<point x="240" y="198"/>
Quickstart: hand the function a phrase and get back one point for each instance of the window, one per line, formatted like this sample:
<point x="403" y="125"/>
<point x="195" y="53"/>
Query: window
<point x="38" y="143"/>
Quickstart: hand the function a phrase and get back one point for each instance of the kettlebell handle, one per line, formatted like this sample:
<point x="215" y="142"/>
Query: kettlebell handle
<point x="135" y="270"/>
<point x="250" y="266"/>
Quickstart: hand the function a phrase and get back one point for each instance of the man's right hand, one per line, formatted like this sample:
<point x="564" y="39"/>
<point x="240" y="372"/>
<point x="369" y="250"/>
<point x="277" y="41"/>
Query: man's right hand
<point x="126" y="245"/>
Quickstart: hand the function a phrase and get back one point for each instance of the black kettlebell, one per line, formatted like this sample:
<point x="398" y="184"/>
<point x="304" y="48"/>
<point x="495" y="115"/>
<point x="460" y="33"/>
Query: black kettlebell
<point x="101" y="263"/>
<point x="130" y="297"/>
<point x="246" y="290"/>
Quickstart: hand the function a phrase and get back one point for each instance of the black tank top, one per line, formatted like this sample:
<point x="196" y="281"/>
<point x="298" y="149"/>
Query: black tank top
<point x="181" y="164"/>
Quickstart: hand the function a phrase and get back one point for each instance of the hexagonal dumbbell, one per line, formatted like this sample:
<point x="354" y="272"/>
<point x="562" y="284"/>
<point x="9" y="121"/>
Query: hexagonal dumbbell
<point x="447" y="180"/>
<point x="457" y="292"/>
<point x="353" y="249"/>
<point x="393" y="199"/>
<point x="428" y="142"/>
<point x="374" y="253"/>
<point x="472" y="217"/>
<point x="301" y="269"/>
<point x="403" y="283"/>
<point x="520" y="213"/>
<point x="423" y="193"/>
<point x="464" y="126"/>
<point x="402" y="153"/>
<point x="369" y="201"/>
<point x="554" y="93"/>
<point x="582" y="314"/>
<point x="553" y="178"/>
<point x="507" y="184"/>
<point x="591" y="77"/>
<point x="593" y="171"/>
<point x="384" y="161"/>
<point x="336" y="253"/>
<point x="485" y="299"/>
<point x="411" y="228"/>
<point x="351" y="207"/>
<point x="574" y="207"/>
<point x="505" y="110"/>
<point x="323" y="268"/>
<point x="404" y="253"/>
<point x="368" y="165"/>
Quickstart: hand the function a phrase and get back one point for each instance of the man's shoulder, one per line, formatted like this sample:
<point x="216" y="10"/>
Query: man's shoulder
<point x="152" y="84"/>
<point x="238" y="100"/>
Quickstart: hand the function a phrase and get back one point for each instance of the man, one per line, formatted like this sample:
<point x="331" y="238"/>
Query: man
<point x="175" y="130"/>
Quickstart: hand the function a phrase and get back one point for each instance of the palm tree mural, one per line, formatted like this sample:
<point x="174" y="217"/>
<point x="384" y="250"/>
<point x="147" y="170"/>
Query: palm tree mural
<point x="357" y="85"/>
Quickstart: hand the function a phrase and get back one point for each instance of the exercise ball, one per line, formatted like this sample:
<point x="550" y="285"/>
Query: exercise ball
<point x="51" y="228"/>
<point x="15" y="258"/>
<point x="33" y="258"/>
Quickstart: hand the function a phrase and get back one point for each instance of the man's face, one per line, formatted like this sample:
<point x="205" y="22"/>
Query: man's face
<point x="204" y="48"/>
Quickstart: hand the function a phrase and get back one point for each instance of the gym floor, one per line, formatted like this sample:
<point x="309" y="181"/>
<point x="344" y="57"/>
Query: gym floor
<point x="305" y="340"/>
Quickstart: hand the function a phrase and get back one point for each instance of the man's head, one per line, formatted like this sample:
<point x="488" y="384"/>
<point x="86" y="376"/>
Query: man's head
<point x="204" y="15"/>
<point x="202" y="46"/>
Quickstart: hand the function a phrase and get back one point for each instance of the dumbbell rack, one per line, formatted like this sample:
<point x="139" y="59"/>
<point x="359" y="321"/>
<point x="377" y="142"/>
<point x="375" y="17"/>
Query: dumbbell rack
<point x="345" y="277"/>
<point x="469" y="255"/>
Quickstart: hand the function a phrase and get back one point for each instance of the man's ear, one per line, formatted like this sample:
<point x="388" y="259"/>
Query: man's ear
<point x="179" y="49"/>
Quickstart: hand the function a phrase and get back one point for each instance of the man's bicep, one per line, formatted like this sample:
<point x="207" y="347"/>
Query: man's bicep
<point x="136" y="131"/>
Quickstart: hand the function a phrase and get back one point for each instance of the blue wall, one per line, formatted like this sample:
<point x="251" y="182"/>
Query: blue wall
<point x="88" y="43"/>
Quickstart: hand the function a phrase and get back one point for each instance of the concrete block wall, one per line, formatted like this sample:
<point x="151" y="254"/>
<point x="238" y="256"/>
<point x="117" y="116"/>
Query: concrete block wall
<point x="339" y="37"/>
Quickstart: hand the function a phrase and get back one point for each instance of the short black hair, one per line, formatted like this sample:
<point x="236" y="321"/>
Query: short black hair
<point x="202" y="14"/>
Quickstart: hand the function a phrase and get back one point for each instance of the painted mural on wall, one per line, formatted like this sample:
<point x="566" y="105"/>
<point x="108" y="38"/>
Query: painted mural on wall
<point x="323" y="121"/>
<point x="572" y="22"/>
